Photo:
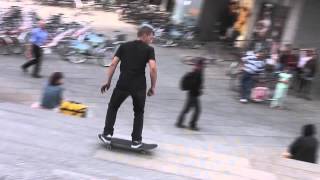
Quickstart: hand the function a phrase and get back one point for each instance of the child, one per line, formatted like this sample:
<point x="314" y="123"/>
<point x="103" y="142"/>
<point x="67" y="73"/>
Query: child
<point x="281" y="89"/>
<point x="52" y="95"/>
<point x="193" y="83"/>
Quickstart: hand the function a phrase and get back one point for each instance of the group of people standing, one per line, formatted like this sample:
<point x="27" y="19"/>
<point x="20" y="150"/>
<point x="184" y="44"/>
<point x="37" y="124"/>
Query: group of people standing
<point x="292" y="68"/>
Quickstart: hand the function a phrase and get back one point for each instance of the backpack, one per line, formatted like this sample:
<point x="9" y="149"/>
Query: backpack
<point x="187" y="82"/>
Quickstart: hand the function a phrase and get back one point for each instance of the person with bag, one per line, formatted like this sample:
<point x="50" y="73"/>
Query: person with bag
<point x="193" y="83"/>
<point x="38" y="38"/>
<point x="134" y="57"/>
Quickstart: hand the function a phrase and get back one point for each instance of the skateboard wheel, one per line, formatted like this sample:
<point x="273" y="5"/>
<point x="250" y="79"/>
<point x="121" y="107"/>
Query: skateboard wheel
<point x="143" y="152"/>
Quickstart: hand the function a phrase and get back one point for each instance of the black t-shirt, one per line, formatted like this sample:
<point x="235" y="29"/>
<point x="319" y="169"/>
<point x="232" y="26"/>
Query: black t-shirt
<point x="134" y="56"/>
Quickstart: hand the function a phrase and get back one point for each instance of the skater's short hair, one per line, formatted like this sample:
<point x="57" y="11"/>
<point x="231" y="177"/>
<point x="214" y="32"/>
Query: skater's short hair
<point x="309" y="130"/>
<point x="54" y="78"/>
<point x="145" y="30"/>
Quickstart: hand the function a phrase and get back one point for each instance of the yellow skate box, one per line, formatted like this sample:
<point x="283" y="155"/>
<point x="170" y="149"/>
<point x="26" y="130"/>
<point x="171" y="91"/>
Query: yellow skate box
<point x="73" y="108"/>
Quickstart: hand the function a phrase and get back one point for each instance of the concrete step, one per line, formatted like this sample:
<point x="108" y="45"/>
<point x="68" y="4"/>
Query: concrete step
<point x="190" y="162"/>
<point x="52" y="132"/>
<point x="288" y="168"/>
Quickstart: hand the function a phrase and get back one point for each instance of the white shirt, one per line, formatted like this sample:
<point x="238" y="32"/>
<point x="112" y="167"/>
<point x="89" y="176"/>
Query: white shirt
<point x="303" y="61"/>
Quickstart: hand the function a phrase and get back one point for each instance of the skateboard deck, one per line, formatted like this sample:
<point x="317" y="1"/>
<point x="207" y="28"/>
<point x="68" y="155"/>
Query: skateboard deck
<point x="126" y="144"/>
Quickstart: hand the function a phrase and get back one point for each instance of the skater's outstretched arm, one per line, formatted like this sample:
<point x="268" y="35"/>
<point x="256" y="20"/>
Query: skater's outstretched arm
<point x="153" y="76"/>
<point x="110" y="73"/>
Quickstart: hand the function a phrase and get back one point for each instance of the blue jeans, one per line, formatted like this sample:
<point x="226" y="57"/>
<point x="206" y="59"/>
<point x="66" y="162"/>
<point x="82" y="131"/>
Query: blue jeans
<point x="246" y="85"/>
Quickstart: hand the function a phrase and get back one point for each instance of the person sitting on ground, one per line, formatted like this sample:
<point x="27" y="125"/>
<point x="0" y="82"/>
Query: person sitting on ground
<point x="52" y="94"/>
<point x="253" y="65"/>
<point x="305" y="148"/>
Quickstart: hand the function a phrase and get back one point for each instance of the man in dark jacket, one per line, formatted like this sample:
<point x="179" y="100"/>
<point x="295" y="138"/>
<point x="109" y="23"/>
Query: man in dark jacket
<point x="307" y="74"/>
<point x="305" y="147"/>
<point x="196" y="80"/>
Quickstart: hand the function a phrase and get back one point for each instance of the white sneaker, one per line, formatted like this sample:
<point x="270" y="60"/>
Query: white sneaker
<point x="136" y="144"/>
<point x="105" y="138"/>
<point x="243" y="100"/>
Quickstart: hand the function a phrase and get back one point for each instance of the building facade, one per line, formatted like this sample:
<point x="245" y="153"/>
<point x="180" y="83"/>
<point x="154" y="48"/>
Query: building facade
<point x="295" y="22"/>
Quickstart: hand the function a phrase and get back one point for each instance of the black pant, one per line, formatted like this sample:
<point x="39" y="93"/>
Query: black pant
<point x="117" y="98"/>
<point x="192" y="102"/>
<point x="37" y="54"/>
<point x="247" y="83"/>
<point x="305" y="87"/>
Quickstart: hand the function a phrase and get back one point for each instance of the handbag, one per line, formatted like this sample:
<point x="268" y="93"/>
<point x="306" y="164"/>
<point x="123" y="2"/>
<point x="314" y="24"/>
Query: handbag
<point x="73" y="108"/>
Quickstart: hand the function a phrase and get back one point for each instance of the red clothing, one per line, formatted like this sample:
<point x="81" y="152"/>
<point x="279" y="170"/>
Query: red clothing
<point x="289" y="60"/>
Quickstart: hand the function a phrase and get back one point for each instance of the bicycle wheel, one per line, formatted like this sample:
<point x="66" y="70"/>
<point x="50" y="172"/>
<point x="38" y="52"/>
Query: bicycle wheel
<point x="192" y="60"/>
<point x="106" y="60"/>
<point x="188" y="60"/>
<point x="4" y="50"/>
<point x="16" y="47"/>
<point x="76" y="58"/>
<point x="62" y="49"/>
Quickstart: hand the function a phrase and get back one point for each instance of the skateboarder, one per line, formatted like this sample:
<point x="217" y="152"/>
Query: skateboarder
<point x="134" y="57"/>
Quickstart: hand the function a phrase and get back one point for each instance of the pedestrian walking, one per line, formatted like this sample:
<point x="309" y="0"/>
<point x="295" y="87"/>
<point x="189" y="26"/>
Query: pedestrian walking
<point x="305" y="147"/>
<point x="193" y="83"/>
<point x="134" y="57"/>
<point x="38" y="38"/>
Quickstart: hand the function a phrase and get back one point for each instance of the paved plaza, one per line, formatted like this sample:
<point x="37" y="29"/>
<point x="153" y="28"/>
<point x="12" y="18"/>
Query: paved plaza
<point x="236" y="141"/>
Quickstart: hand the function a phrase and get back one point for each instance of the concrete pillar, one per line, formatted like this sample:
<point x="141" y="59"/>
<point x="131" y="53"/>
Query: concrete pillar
<point x="178" y="12"/>
<point x="163" y="5"/>
<point x="291" y="27"/>
<point x="253" y="18"/>
<point x="308" y="33"/>
<point x="210" y="15"/>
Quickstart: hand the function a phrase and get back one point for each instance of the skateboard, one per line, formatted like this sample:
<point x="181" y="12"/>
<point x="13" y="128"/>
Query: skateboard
<point x="126" y="145"/>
